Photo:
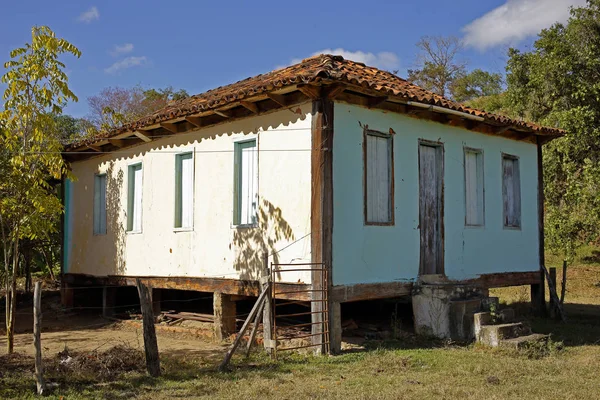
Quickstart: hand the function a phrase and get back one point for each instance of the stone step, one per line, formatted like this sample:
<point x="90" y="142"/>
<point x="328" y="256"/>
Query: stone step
<point x="491" y="335"/>
<point x="524" y="341"/>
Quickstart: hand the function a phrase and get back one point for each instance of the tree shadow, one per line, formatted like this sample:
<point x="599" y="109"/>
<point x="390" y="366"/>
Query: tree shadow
<point x="252" y="243"/>
<point x="114" y="186"/>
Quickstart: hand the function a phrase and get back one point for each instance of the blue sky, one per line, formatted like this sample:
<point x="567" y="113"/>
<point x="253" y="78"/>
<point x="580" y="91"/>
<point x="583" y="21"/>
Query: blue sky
<point x="199" y="45"/>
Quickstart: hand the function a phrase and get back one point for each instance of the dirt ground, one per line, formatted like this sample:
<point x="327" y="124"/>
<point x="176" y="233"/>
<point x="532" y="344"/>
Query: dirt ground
<point x="88" y="331"/>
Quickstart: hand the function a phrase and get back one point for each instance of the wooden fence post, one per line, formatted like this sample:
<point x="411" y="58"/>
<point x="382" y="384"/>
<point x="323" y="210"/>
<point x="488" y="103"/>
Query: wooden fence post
<point x="150" y="344"/>
<point x="552" y="271"/>
<point x="37" y="336"/>
<point x="268" y="308"/>
<point x="563" y="289"/>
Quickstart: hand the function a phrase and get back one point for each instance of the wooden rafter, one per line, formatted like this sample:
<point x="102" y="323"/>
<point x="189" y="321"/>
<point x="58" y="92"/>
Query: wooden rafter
<point x="375" y="101"/>
<point x="502" y="129"/>
<point x="95" y="148"/>
<point x="311" y="91"/>
<point x="171" y="127"/>
<point x="142" y="135"/>
<point x="278" y="98"/>
<point x="250" y="106"/>
<point x="223" y="113"/>
<point x="196" y="121"/>
<point x="117" y="142"/>
<point x="333" y="91"/>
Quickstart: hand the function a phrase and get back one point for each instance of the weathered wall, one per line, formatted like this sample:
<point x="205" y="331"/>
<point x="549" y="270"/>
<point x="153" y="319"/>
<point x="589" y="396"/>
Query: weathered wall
<point x="213" y="248"/>
<point x="364" y="254"/>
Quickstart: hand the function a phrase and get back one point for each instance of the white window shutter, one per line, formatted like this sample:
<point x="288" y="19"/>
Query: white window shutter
<point x="246" y="189"/>
<point x="187" y="190"/>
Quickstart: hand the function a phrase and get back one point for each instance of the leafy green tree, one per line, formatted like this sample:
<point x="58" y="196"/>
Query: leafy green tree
<point x="558" y="84"/>
<point x="475" y="84"/>
<point x="37" y="90"/>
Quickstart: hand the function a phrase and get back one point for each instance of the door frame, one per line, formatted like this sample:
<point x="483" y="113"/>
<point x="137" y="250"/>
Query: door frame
<point x="439" y="146"/>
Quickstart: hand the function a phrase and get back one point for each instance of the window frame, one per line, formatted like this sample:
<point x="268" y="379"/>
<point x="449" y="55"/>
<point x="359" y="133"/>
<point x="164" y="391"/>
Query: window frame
<point x="237" y="181"/>
<point x="131" y="195"/>
<point x="392" y="204"/>
<point x="479" y="152"/>
<point x="97" y="232"/>
<point x="179" y="194"/>
<point x="518" y="184"/>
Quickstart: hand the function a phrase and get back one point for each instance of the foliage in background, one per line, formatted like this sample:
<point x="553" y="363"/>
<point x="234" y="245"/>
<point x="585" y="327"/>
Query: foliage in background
<point x="115" y="106"/>
<point x="558" y="84"/>
<point x="37" y="91"/>
<point x="439" y="70"/>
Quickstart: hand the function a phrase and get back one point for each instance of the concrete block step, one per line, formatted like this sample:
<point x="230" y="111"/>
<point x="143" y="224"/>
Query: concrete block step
<point x="491" y="335"/>
<point x="524" y="341"/>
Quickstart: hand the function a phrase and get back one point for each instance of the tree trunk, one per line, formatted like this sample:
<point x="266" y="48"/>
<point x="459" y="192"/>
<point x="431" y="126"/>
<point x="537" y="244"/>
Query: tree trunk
<point x="48" y="258"/>
<point x="37" y="338"/>
<point x="27" y="260"/>
<point x="11" y="300"/>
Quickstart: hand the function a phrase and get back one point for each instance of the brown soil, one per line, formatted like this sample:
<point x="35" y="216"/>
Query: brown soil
<point x="87" y="332"/>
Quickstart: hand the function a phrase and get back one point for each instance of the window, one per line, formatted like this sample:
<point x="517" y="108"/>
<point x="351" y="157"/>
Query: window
<point x="378" y="178"/>
<point x="184" y="190"/>
<point x="134" y="198"/>
<point x="246" y="183"/>
<point x="511" y="191"/>
<point x="474" y="189"/>
<point x="100" y="204"/>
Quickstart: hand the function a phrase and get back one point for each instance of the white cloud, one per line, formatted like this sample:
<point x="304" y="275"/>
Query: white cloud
<point x="125" y="63"/>
<point x="383" y="60"/>
<point x="516" y="20"/>
<point x="122" y="49"/>
<point x="89" y="15"/>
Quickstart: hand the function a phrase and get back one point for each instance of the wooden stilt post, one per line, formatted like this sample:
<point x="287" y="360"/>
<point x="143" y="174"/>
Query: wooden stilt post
<point x="37" y="337"/>
<point x="538" y="296"/>
<point x="150" y="344"/>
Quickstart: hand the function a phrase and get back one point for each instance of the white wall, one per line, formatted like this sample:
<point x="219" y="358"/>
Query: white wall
<point x="214" y="248"/>
<point x="363" y="254"/>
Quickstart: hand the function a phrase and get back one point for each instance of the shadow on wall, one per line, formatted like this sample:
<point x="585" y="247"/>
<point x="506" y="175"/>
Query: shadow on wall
<point x="251" y="244"/>
<point x="114" y="185"/>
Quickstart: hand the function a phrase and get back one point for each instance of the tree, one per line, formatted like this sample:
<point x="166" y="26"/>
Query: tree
<point x="115" y="106"/>
<point x="437" y="65"/>
<point x="475" y="84"/>
<point x="557" y="84"/>
<point x="37" y="91"/>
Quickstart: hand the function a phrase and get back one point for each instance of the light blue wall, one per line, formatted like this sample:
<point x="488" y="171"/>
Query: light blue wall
<point x="368" y="254"/>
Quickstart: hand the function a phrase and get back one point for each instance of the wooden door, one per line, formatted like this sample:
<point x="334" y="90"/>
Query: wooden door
<point x="431" y="208"/>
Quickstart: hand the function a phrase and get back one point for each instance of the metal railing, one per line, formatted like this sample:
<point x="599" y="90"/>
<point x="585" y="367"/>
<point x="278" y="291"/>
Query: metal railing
<point x="318" y="305"/>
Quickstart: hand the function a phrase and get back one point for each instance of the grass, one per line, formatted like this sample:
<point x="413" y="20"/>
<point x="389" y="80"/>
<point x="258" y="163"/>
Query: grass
<point x="407" y="369"/>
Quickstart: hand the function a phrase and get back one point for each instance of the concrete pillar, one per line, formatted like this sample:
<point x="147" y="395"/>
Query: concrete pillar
<point x="335" y="328"/>
<point x="431" y="310"/>
<point x="156" y="299"/>
<point x="224" y="312"/>
<point x="67" y="296"/>
<point x="109" y="300"/>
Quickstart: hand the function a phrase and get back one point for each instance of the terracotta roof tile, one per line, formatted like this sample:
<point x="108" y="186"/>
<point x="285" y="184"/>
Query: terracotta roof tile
<point x="313" y="70"/>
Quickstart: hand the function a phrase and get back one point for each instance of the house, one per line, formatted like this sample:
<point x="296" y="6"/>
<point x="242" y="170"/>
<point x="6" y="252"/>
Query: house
<point x="373" y="187"/>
